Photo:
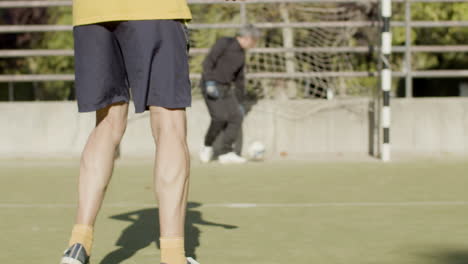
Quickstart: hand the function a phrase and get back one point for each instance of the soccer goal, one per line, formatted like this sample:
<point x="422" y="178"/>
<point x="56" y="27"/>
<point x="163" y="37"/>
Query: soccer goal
<point x="319" y="49"/>
<point x="314" y="49"/>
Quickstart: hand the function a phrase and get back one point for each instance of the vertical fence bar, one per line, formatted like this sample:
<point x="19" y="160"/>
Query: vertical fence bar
<point x="243" y="13"/>
<point x="288" y="42"/>
<point x="386" y="77"/>
<point x="11" y="92"/>
<point x="408" y="54"/>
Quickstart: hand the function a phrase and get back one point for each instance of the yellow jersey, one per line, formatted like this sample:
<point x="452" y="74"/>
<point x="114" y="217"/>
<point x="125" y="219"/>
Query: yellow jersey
<point x="96" y="11"/>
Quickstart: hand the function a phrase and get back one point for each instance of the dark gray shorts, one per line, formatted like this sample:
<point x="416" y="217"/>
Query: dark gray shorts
<point x="148" y="57"/>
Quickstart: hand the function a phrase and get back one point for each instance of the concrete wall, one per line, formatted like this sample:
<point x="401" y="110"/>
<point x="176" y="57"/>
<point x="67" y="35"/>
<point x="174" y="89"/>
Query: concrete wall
<point x="420" y="126"/>
<point x="430" y="125"/>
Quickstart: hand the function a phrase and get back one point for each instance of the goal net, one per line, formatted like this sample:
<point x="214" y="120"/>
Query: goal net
<point x="320" y="50"/>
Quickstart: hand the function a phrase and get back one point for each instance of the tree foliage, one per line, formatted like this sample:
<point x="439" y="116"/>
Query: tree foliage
<point x="257" y="13"/>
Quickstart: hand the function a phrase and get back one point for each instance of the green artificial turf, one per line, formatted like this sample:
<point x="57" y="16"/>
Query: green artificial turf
<point x="259" y="213"/>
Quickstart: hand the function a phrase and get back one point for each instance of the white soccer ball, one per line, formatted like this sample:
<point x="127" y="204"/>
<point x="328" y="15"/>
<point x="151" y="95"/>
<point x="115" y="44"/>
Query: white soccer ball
<point x="256" y="151"/>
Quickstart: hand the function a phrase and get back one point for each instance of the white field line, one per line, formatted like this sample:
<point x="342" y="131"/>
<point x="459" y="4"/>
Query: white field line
<point x="249" y="205"/>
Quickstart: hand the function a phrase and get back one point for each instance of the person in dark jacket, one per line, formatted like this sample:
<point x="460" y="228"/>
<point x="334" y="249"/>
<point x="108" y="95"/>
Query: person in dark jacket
<point x="223" y="87"/>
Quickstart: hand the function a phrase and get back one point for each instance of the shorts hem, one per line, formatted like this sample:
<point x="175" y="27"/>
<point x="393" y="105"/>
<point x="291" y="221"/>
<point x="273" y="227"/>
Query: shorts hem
<point x="93" y="108"/>
<point x="172" y="106"/>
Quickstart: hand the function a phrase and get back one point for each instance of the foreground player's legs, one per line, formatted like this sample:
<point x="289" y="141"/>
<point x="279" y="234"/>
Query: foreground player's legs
<point x="96" y="167"/>
<point x="171" y="176"/>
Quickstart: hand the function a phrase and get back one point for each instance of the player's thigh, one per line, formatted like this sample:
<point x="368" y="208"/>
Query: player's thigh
<point x="156" y="61"/>
<point x="100" y="76"/>
<point x="233" y="110"/>
<point x="170" y="84"/>
<point x="217" y="109"/>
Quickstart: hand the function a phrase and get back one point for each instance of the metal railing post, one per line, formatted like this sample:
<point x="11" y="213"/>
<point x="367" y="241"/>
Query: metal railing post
<point x="243" y="13"/>
<point x="288" y="42"/>
<point x="11" y="92"/>
<point x="408" y="52"/>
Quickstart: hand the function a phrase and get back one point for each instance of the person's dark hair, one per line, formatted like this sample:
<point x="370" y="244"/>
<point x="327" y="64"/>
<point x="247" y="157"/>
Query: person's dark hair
<point x="249" y="31"/>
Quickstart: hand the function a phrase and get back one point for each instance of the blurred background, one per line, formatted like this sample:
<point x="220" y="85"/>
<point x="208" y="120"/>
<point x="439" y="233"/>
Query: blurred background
<point x="317" y="65"/>
<point x="300" y="40"/>
<point x="321" y="194"/>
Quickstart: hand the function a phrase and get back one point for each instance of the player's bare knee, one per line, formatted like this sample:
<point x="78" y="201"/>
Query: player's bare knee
<point x="115" y="127"/>
<point x="166" y="134"/>
<point x="113" y="120"/>
<point x="168" y="125"/>
<point x="118" y="126"/>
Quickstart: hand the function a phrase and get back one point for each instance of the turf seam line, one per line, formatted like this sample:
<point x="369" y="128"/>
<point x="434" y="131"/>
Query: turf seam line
<point x="252" y="205"/>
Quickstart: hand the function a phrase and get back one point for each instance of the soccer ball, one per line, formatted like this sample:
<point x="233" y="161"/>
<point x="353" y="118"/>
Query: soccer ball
<point x="256" y="151"/>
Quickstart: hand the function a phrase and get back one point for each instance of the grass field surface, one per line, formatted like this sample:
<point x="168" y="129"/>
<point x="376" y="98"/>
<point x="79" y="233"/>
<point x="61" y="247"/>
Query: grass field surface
<point x="272" y="212"/>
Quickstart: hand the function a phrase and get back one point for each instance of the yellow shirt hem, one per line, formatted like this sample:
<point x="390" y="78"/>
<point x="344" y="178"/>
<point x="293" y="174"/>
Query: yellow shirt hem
<point x="125" y="17"/>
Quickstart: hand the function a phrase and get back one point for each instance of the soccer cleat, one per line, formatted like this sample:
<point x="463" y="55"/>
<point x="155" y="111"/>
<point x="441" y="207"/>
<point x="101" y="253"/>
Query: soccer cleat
<point x="206" y="154"/>
<point x="191" y="261"/>
<point x="76" y="254"/>
<point x="231" y="158"/>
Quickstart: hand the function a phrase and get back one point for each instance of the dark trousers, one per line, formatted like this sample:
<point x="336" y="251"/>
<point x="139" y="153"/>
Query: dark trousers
<point x="225" y="116"/>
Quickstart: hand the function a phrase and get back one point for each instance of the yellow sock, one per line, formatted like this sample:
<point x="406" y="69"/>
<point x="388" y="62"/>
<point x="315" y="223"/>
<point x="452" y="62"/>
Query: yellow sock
<point x="172" y="250"/>
<point x="82" y="234"/>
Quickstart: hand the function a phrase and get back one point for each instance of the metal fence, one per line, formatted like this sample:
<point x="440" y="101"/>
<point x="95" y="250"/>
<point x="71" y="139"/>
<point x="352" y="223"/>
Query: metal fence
<point x="408" y="49"/>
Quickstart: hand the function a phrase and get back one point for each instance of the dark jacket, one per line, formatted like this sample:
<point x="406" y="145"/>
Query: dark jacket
<point x="225" y="64"/>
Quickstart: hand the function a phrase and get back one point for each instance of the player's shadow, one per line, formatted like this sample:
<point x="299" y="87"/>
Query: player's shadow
<point x="448" y="256"/>
<point x="144" y="230"/>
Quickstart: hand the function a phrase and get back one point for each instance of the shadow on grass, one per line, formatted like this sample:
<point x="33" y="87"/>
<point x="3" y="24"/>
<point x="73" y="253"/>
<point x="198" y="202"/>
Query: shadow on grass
<point x="447" y="256"/>
<point x="144" y="230"/>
